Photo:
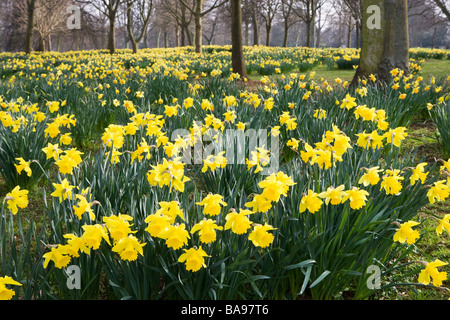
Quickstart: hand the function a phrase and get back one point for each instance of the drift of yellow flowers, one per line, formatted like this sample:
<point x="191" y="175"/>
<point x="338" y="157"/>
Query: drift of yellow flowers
<point x="335" y="160"/>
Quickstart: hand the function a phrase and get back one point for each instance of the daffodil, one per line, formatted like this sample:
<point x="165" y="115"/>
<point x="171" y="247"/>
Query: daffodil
<point x="311" y="202"/>
<point x="212" y="162"/>
<point x="75" y="245"/>
<point x="259" y="204"/>
<point x="63" y="190"/>
<point x="118" y="226"/>
<point x="194" y="258"/>
<point x="212" y="204"/>
<point x="23" y="166"/>
<point x="171" y="209"/>
<point x="16" y="199"/>
<point x="391" y="182"/>
<point x="260" y="237"/>
<point x="129" y="248"/>
<point x="157" y="223"/>
<point x="293" y="143"/>
<point x="348" y="102"/>
<point x="239" y="223"/>
<point x="5" y="293"/>
<point x="94" y="234"/>
<point x="405" y="233"/>
<point x="439" y="191"/>
<point x="66" y="164"/>
<point x="444" y="223"/>
<point x="176" y="236"/>
<point x="206" y="228"/>
<point x="395" y="136"/>
<point x="83" y="206"/>
<point x="59" y="255"/>
<point x="418" y="173"/>
<point x="357" y="197"/>
<point x="430" y="272"/>
<point x="333" y="195"/>
<point x="371" y="176"/>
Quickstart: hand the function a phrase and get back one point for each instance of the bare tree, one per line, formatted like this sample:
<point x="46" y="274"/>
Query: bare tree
<point x="198" y="11"/>
<point x="180" y="14"/>
<point x="442" y="4"/>
<point x="251" y="9"/>
<point x="269" y="10"/>
<point x="110" y="9"/>
<point x="288" y="18"/>
<point x="355" y="8"/>
<point x="306" y="10"/>
<point x="138" y="12"/>
<point x="47" y="18"/>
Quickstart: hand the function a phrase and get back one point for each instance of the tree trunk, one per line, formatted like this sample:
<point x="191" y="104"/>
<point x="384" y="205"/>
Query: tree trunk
<point x="198" y="31"/>
<point x="183" y="36"/>
<point x="318" y="37"/>
<point x="158" y="37"/>
<point x="112" y="35"/>
<point x="308" y="33"/>
<point x="268" y="34"/>
<point x="237" y="52"/>
<point x="349" y="33"/>
<point x="255" y="24"/>
<point x="358" y="34"/>
<point x="31" y="5"/>
<point x="286" y="33"/>
<point x="387" y="47"/>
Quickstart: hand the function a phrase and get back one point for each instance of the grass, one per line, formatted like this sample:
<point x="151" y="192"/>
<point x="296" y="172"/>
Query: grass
<point x="421" y="138"/>
<point x="433" y="67"/>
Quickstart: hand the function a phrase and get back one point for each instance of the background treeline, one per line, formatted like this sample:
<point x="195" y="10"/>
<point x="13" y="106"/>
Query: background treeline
<point x="174" y="23"/>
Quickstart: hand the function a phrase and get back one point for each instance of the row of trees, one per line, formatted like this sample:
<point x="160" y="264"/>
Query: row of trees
<point x="382" y="26"/>
<point x="27" y="25"/>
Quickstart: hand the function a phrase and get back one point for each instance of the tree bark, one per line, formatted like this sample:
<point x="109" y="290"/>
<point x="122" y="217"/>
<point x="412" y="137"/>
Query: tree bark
<point x="112" y="35"/>
<point x="237" y="52"/>
<point x="255" y="24"/>
<point x="198" y="27"/>
<point x="386" y="48"/>
<point x="308" y="34"/>
<point x="268" y="34"/>
<point x="31" y="6"/>
<point x="286" y="33"/>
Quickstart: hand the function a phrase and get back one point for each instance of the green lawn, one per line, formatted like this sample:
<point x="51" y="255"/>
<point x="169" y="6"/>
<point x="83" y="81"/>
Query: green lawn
<point x="437" y="68"/>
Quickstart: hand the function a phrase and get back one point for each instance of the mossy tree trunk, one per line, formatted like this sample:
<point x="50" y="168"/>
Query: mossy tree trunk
<point x="385" y="39"/>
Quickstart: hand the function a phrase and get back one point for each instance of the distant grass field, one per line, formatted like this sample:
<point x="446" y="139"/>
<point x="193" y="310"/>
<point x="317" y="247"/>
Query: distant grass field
<point x="432" y="67"/>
